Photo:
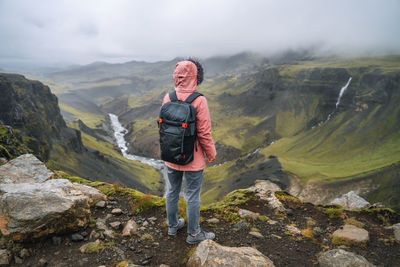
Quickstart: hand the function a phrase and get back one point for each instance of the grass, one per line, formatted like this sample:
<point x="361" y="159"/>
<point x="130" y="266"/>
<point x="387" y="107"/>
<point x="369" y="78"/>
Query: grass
<point x="90" y="119"/>
<point x="334" y="213"/>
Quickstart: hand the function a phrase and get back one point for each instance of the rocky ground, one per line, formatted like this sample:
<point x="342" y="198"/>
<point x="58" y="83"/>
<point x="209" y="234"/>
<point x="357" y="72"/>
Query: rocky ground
<point x="128" y="228"/>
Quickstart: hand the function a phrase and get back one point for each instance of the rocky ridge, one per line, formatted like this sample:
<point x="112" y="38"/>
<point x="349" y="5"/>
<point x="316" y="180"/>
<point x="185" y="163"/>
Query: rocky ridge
<point x="99" y="224"/>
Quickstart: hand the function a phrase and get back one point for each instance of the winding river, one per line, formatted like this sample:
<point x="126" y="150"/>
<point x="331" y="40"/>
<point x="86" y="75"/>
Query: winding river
<point x="119" y="134"/>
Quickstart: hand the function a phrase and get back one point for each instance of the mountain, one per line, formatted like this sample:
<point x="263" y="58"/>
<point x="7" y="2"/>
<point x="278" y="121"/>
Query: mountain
<point x="30" y="120"/>
<point x="284" y="123"/>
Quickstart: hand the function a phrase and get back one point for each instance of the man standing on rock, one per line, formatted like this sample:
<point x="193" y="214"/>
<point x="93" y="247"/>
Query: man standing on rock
<point x="187" y="75"/>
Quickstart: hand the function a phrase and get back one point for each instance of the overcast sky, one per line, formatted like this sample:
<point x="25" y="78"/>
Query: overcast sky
<point x="83" y="31"/>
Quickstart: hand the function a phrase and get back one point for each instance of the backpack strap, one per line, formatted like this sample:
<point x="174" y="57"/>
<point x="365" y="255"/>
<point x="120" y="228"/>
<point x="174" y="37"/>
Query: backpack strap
<point x="173" y="97"/>
<point x="192" y="97"/>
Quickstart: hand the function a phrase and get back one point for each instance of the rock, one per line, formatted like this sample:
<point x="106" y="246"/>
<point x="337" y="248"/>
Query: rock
<point x="213" y="220"/>
<point x="116" y="212"/>
<point x="163" y="265"/>
<point x="256" y="234"/>
<point x="130" y="228"/>
<point x="101" y="204"/>
<point x="3" y="161"/>
<point x="351" y="201"/>
<point x="396" y="230"/>
<point x="18" y="260"/>
<point x="24" y="169"/>
<point x="152" y="219"/>
<point x="273" y="202"/>
<point x="84" y="247"/>
<point x="342" y="258"/>
<point x="272" y="222"/>
<point x="209" y="253"/>
<point x="262" y="187"/>
<point x="5" y="257"/>
<point x="115" y="225"/>
<point x="248" y="214"/>
<point x="93" y="194"/>
<point x="109" y="234"/>
<point x="293" y="229"/>
<point x="352" y="233"/>
<point x="101" y="224"/>
<point x="24" y="253"/>
<point x="289" y="212"/>
<point x="56" y="240"/>
<point x="145" y="223"/>
<point x="241" y="225"/>
<point x="76" y="237"/>
<point x="36" y="210"/>
<point x="42" y="262"/>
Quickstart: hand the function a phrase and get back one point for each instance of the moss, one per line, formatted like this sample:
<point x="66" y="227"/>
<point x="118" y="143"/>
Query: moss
<point x="190" y="253"/>
<point x="338" y="241"/>
<point x="384" y="215"/>
<point x="334" y="213"/>
<point x="284" y="195"/>
<point x="122" y="264"/>
<point x="309" y="233"/>
<point x="95" y="247"/>
<point x="354" y="222"/>
<point x="263" y="218"/>
<point x="147" y="237"/>
<point x="254" y="229"/>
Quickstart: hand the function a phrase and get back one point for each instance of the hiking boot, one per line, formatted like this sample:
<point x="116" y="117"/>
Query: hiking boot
<point x="202" y="235"/>
<point x="174" y="230"/>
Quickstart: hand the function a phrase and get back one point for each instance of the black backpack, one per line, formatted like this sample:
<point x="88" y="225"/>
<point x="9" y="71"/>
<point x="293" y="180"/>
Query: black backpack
<point x="177" y="127"/>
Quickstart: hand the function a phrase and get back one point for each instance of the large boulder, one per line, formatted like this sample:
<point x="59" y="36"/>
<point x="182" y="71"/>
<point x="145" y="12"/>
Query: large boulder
<point x="211" y="254"/>
<point x="24" y="169"/>
<point x="351" y="201"/>
<point x="352" y="233"/>
<point x="94" y="195"/>
<point x="34" y="210"/>
<point x="342" y="258"/>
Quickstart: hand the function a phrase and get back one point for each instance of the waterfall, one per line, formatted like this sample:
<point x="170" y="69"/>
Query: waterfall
<point x="342" y="90"/>
<point x="119" y="134"/>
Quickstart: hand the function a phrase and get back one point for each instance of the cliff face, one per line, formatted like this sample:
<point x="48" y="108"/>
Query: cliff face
<point x="30" y="108"/>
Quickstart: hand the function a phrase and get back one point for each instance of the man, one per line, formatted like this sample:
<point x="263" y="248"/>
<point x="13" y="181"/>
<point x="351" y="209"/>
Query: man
<point x="187" y="75"/>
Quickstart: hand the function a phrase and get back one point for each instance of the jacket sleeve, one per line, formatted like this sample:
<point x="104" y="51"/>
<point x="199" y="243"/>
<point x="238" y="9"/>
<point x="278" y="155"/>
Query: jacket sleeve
<point x="203" y="127"/>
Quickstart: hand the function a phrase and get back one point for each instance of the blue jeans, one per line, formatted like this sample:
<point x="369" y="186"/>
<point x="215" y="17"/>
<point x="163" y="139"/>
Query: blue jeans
<point x="194" y="180"/>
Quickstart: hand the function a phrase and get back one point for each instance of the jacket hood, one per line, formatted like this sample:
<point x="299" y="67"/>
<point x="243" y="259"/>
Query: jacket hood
<point x="185" y="77"/>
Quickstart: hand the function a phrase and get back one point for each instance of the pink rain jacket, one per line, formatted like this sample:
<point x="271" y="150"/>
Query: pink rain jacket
<point x="185" y="80"/>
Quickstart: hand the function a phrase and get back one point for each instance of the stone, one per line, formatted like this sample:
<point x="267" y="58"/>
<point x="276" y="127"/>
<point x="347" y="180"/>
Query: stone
<point x="273" y="202"/>
<point x="145" y="223"/>
<point x="396" y="230"/>
<point x="76" y="237"/>
<point x="24" y="169"/>
<point x="262" y="187"/>
<point x="24" y="253"/>
<point x="210" y="253"/>
<point x="152" y="219"/>
<point x="108" y="234"/>
<point x="256" y="234"/>
<point x="3" y="161"/>
<point x="293" y="229"/>
<point x="272" y="222"/>
<point x="101" y="224"/>
<point x="92" y="193"/>
<point x="130" y="228"/>
<point x="42" y="262"/>
<point x="40" y="209"/>
<point x="5" y="257"/>
<point x="241" y="225"/>
<point x="248" y="214"/>
<point x="18" y="260"/>
<point x="352" y="233"/>
<point x="342" y="258"/>
<point x="56" y="240"/>
<point x="163" y="265"/>
<point x="101" y="204"/>
<point x="213" y="220"/>
<point x="116" y="212"/>
<point x="351" y="201"/>
<point x="289" y="212"/>
<point x="83" y="248"/>
<point x="115" y="225"/>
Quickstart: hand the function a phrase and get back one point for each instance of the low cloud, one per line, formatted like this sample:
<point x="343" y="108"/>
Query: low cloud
<point x="92" y="30"/>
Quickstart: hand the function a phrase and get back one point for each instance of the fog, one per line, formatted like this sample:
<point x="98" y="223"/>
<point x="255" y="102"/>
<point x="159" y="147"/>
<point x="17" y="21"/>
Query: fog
<point x="81" y="32"/>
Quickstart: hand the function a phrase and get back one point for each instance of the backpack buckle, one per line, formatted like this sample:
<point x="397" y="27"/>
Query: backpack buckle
<point x="184" y="125"/>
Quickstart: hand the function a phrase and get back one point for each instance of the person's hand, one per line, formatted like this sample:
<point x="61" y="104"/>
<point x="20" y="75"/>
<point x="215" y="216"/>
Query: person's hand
<point x="211" y="160"/>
